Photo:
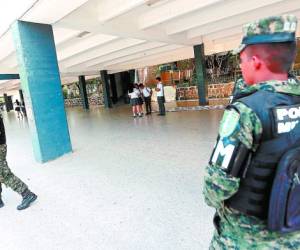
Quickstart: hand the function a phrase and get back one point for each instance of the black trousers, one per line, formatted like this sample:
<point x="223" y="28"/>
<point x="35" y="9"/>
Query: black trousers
<point x="148" y="104"/>
<point x="161" y="105"/>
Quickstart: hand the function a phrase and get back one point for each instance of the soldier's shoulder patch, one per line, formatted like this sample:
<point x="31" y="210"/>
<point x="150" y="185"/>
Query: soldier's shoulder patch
<point x="229" y="122"/>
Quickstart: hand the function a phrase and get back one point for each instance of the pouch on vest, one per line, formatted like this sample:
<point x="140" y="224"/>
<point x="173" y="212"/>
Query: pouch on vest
<point x="284" y="206"/>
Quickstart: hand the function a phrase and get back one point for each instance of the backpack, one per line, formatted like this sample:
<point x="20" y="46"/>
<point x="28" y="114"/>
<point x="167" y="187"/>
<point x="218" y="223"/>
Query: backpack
<point x="284" y="205"/>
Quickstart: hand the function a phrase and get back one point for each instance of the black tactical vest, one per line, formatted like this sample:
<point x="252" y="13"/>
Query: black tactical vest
<point x="279" y="115"/>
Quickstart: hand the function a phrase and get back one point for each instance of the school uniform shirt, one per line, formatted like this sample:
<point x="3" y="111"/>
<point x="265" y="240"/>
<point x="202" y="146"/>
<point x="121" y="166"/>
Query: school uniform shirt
<point x="134" y="94"/>
<point x="161" y="92"/>
<point x="146" y="92"/>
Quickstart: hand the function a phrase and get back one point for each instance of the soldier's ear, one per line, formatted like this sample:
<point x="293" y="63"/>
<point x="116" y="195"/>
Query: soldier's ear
<point x="256" y="62"/>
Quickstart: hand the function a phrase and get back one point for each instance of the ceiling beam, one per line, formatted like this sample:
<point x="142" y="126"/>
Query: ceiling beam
<point x="212" y="14"/>
<point x="79" y="45"/>
<point x="7" y="45"/>
<point x="170" y="11"/>
<point x="52" y="11"/>
<point x="243" y="18"/>
<point x="12" y="11"/>
<point x="62" y="35"/>
<point x="138" y="56"/>
<point x="170" y="56"/>
<point x="9" y="76"/>
<point x="112" y="9"/>
<point x="124" y="53"/>
<point x="223" y="34"/>
<point x="79" y="73"/>
<point x="102" y="50"/>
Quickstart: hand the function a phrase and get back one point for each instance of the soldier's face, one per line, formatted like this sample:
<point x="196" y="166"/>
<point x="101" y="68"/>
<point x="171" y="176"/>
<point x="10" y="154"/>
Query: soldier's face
<point x="247" y="68"/>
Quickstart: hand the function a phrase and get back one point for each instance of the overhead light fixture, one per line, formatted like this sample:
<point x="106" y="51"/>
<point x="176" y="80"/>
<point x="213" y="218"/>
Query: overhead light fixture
<point x="82" y="34"/>
<point x="150" y="3"/>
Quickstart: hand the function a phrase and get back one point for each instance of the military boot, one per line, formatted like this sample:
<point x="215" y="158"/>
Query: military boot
<point x="28" y="198"/>
<point x="1" y="202"/>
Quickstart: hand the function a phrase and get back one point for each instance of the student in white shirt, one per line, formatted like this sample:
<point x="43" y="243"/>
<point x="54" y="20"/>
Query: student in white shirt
<point x="134" y="101"/>
<point x="147" y="93"/>
<point x="160" y="96"/>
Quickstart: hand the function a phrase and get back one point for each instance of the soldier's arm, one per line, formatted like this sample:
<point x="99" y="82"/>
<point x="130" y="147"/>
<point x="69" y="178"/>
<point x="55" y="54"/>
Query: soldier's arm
<point x="239" y="132"/>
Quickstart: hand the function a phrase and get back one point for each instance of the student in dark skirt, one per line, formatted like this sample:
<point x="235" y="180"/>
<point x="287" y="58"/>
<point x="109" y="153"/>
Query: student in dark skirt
<point x="134" y="101"/>
<point x="18" y="108"/>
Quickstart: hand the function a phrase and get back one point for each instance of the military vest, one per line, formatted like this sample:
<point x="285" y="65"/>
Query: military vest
<point x="280" y="118"/>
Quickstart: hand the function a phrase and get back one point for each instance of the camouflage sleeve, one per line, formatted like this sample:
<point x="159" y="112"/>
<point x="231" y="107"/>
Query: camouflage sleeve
<point x="238" y="125"/>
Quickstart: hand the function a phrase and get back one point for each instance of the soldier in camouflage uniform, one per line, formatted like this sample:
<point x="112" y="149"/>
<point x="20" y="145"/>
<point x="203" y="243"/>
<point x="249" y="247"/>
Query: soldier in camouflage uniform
<point x="9" y="179"/>
<point x="240" y="124"/>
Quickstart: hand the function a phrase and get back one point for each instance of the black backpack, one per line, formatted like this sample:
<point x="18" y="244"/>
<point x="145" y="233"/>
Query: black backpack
<point x="284" y="206"/>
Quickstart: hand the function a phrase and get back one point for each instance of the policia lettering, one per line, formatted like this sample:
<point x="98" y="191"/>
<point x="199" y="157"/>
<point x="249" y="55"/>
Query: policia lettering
<point x="286" y="118"/>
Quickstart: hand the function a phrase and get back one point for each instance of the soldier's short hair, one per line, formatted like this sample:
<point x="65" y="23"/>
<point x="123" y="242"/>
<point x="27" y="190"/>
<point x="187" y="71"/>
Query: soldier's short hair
<point x="278" y="57"/>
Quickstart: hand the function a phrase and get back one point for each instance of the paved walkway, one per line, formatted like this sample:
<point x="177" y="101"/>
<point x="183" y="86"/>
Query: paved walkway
<point x="129" y="185"/>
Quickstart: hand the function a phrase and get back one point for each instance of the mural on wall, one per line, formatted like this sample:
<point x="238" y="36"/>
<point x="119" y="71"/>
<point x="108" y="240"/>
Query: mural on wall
<point x="94" y="90"/>
<point x="179" y="78"/>
<point x="181" y="75"/>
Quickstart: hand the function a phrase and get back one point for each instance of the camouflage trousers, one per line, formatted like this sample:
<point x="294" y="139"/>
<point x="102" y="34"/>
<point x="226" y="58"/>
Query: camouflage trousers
<point x="237" y="231"/>
<point x="6" y="176"/>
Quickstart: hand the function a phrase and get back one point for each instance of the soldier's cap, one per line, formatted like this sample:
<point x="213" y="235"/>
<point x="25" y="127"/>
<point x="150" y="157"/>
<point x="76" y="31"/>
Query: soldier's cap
<point x="273" y="29"/>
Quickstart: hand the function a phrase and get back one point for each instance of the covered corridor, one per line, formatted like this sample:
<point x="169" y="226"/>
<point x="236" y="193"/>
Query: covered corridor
<point x="130" y="184"/>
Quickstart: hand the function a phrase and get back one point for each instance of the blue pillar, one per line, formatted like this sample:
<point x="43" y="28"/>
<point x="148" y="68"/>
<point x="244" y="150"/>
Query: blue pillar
<point x="41" y="85"/>
<point x="201" y="73"/>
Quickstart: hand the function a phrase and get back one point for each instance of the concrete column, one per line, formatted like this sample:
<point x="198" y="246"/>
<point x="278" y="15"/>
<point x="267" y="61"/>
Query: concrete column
<point x="125" y="78"/>
<point x="8" y="102"/>
<point x="40" y="81"/>
<point x="106" y="89"/>
<point x="83" y="93"/>
<point x="132" y="76"/>
<point x="201" y="73"/>
<point x="113" y="88"/>
<point x="22" y="101"/>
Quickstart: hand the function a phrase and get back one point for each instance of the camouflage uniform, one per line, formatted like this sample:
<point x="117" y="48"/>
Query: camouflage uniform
<point x="239" y="86"/>
<point x="236" y="230"/>
<point x="239" y="231"/>
<point x="6" y="176"/>
<point x="268" y="26"/>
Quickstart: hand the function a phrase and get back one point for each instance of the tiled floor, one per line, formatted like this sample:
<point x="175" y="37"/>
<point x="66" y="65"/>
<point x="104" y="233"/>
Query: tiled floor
<point x="129" y="185"/>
